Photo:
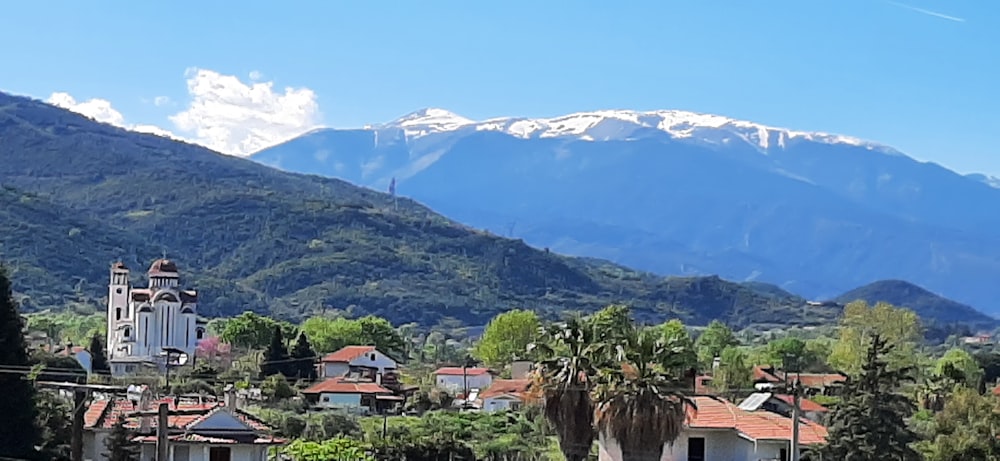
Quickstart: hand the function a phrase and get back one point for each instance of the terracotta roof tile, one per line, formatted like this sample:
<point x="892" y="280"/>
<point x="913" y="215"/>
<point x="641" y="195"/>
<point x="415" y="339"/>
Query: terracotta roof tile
<point x="715" y="413"/>
<point x="346" y="354"/>
<point x="804" y="404"/>
<point x="459" y="371"/>
<point x="342" y="386"/>
<point x="517" y="387"/>
<point x="762" y="374"/>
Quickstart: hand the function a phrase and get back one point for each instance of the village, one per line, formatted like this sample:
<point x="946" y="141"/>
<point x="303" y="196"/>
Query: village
<point x="154" y="333"/>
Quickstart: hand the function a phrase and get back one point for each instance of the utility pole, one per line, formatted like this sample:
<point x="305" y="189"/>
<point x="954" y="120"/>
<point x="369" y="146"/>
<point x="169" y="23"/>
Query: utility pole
<point x="161" y="432"/>
<point x="796" y="399"/>
<point x="76" y="437"/>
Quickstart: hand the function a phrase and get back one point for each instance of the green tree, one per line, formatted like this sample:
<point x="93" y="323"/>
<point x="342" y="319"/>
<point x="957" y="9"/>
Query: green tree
<point x="304" y="358"/>
<point x="960" y="367"/>
<point x="710" y="344"/>
<point x="329" y="334"/>
<point x="612" y="323"/>
<point x="734" y="372"/>
<point x="328" y="450"/>
<point x="275" y="387"/>
<point x="870" y="423"/>
<point x="18" y="433"/>
<point x="966" y="429"/>
<point x="54" y="420"/>
<point x="506" y="337"/>
<point x="276" y="359"/>
<point x="98" y="359"/>
<point x="249" y="330"/>
<point x="378" y="332"/>
<point x="119" y="444"/>
<point x="677" y="338"/>
<point x="860" y="322"/>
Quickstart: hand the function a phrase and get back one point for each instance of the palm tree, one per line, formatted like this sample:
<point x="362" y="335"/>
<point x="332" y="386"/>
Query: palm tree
<point x="639" y="409"/>
<point x="566" y="371"/>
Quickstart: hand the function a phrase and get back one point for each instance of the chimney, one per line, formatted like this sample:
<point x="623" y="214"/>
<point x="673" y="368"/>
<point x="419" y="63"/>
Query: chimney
<point x="230" y="402"/>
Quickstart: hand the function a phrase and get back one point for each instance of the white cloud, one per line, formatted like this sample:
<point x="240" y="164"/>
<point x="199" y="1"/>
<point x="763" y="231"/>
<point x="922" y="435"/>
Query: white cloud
<point x="223" y="114"/>
<point x="236" y="118"/>
<point x="97" y="109"/>
<point x="256" y="75"/>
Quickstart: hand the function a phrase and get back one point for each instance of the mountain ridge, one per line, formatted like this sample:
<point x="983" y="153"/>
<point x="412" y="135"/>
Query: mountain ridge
<point x="814" y="217"/>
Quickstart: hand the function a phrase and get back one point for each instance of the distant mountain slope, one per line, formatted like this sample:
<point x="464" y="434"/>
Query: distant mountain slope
<point x="251" y="237"/>
<point x="926" y="304"/>
<point x="675" y="192"/>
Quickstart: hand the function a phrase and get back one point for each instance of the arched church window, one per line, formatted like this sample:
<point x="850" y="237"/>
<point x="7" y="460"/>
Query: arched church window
<point x="199" y="333"/>
<point x="127" y="332"/>
<point x="118" y="313"/>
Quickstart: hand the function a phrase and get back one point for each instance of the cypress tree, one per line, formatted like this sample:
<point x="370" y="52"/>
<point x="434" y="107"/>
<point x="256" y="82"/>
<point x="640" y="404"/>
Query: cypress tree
<point x="869" y="425"/>
<point x="98" y="359"/>
<point x="276" y="356"/>
<point x="120" y="445"/>
<point x="305" y="358"/>
<point x="18" y="433"/>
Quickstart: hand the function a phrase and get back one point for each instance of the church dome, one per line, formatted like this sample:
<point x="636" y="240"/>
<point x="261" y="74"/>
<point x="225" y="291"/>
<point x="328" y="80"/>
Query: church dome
<point x="163" y="265"/>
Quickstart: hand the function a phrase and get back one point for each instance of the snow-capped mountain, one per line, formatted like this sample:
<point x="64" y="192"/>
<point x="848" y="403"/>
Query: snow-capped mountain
<point x="677" y="192"/>
<point x="621" y="125"/>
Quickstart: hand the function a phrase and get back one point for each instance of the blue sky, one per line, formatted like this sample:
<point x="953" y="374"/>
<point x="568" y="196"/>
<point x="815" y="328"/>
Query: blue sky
<point x="919" y="75"/>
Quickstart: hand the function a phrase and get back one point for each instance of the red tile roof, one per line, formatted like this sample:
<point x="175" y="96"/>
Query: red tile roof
<point x="459" y="371"/>
<point x="762" y="374"/>
<point x="804" y="404"/>
<point x="517" y="387"/>
<point x="347" y="354"/>
<point x="818" y="380"/>
<point x="104" y="414"/>
<point x="342" y="386"/>
<point x="715" y="413"/>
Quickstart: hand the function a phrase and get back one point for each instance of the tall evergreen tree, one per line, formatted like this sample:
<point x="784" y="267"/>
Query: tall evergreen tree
<point x="120" y="445"/>
<point x="98" y="358"/>
<point x="276" y="356"/>
<point x="18" y="433"/>
<point x="305" y="358"/>
<point x="870" y="423"/>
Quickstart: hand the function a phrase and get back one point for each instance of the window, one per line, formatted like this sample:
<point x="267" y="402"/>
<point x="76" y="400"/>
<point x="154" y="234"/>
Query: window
<point x="372" y="357"/>
<point x="118" y="290"/>
<point x="127" y="332"/>
<point x="219" y="454"/>
<point x="783" y="454"/>
<point x="118" y="313"/>
<point x="696" y="449"/>
<point x="199" y="333"/>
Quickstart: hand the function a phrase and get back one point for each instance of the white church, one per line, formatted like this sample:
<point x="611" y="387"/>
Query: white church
<point x="149" y="326"/>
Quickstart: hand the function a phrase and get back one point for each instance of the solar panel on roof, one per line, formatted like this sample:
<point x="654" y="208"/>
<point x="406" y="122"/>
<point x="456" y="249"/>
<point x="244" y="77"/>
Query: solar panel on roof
<point x="754" y="401"/>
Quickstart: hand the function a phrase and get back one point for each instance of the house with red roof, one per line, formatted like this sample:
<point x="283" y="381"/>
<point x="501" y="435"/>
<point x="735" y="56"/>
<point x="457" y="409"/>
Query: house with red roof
<point x="197" y="430"/>
<point x="505" y="394"/>
<point x="356" y="359"/>
<point x="718" y="429"/>
<point x="782" y="405"/>
<point x="353" y="394"/>
<point x="457" y="379"/>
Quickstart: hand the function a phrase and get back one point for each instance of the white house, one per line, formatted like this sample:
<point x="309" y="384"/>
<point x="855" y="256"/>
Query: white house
<point x="353" y="358"/>
<point x="197" y="431"/>
<point x="352" y="395"/>
<point x="719" y="430"/>
<point x="505" y="394"/>
<point x="457" y="379"/>
<point x="142" y="322"/>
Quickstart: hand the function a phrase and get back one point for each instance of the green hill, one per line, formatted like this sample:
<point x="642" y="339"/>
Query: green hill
<point x="927" y="305"/>
<point x="251" y="237"/>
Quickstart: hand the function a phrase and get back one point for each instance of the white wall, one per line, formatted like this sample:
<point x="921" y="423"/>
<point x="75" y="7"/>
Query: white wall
<point x="723" y="445"/>
<point x="334" y="369"/>
<point x="456" y="382"/>
<point x="375" y="359"/>
<point x="339" y="400"/>
<point x="499" y="403"/>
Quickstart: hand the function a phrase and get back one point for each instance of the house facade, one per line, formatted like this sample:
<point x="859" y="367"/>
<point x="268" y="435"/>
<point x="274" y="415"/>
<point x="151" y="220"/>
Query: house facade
<point x="352" y="358"/>
<point x="505" y="394"/>
<point x="455" y="379"/>
<point x="352" y="395"/>
<point x="721" y="431"/>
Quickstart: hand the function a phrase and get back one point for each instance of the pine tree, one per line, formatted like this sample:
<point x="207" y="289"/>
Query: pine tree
<point x="98" y="359"/>
<point x="305" y="359"/>
<point x="870" y="423"/>
<point x="276" y="356"/>
<point x="120" y="444"/>
<point x="18" y="432"/>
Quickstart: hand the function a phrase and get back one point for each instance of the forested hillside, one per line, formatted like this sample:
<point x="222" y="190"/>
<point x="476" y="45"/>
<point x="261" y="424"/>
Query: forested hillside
<point x="251" y="237"/>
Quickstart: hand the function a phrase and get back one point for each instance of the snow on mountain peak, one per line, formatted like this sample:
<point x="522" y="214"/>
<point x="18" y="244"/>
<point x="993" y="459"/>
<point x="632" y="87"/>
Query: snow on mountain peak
<point x="608" y="125"/>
